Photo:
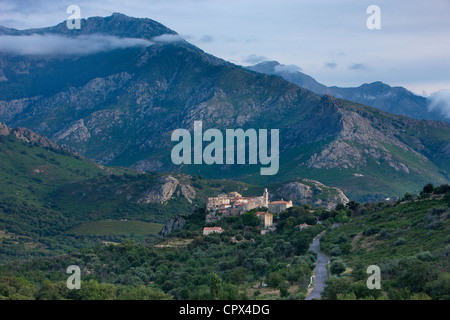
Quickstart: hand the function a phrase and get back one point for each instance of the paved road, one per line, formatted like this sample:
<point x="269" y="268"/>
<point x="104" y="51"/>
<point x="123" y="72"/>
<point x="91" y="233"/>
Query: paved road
<point x="321" y="271"/>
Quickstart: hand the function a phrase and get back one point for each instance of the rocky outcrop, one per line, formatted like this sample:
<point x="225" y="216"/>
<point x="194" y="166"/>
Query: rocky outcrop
<point x="188" y="192"/>
<point x="76" y="131"/>
<point x="27" y="135"/>
<point x="176" y="222"/>
<point x="313" y="193"/>
<point x="165" y="190"/>
<point x="162" y="192"/>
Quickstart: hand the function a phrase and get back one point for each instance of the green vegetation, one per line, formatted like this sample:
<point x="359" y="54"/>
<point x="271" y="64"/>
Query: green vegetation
<point x="138" y="229"/>
<point x="207" y="267"/>
<point x="56" y="203"/>
<point x="409" y="241"/>
<point x="53" y="200"/>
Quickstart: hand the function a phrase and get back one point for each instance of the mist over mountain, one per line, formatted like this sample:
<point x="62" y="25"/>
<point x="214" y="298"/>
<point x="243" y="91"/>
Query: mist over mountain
<point x="119" y="106"/>
<point x="396" y="100"/>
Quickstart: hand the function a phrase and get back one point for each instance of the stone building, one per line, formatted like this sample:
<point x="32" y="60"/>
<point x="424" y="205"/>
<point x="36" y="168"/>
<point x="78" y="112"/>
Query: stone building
<point x="279" y="206"/>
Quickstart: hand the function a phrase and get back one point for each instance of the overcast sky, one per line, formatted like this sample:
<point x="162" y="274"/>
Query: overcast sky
<point x="327" y="39"/>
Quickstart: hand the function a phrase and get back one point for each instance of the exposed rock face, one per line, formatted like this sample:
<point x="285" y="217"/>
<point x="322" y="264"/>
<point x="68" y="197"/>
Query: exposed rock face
<point x="27" y="136"/>
<point x="162" y="193"/>
<point x="356" y="132"/>
<point x="188" y="192"/>
<point x="77" y="131"/>
<point x="313" y="193"/>
<point x="165" y="190"/>
<point x="173" y="224"/>
<point x="4" y="130"/>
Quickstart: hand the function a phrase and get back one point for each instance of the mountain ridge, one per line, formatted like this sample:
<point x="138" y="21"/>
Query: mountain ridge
<point x="396" y="100"/>
<point x="120" y="107"/>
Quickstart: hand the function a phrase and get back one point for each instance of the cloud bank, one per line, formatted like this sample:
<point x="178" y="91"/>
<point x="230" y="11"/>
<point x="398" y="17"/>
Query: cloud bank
<point x="440" y="101"/>
<point x="52" y="44"/>
<point x="167" y="38"/>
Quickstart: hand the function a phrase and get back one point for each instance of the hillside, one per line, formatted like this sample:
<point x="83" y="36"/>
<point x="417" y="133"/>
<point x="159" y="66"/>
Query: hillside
<point x="119" y="108"/>
<point x="54" y="200"/>
<point x="408" y="241"/>
<point x="234" y="264"/>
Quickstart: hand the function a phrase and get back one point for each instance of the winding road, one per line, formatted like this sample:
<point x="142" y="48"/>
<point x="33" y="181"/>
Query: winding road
<point x="320" y="271"/>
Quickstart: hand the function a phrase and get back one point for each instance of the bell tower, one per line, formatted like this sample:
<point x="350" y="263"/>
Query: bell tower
<point x="266" y="197"/>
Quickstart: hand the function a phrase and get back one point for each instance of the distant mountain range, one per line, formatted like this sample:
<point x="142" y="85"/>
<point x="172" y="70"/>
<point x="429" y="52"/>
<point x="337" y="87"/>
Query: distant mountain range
<point x="119" y="105"/>
<point x="396" y="100"/>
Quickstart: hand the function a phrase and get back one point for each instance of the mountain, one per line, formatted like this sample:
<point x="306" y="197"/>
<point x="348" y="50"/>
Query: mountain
<point x="54" y="200"/>
<point x="119" y="106"/>
<point x="396" y="100"/>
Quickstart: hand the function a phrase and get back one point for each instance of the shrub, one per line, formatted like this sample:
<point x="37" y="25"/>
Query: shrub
<point x="425" y="256"/>
<point x="399" y="242"/>
<point x="337" y="267"/>
<point x="370" y="231"/>
<point x="335" y="250"/>
<point x="384" y="234"/>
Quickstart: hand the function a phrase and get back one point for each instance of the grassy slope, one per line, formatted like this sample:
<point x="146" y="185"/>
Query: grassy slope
<point x="46" y="191"/>
<point x="407" y="220"/>
<point x="407" y="241"/>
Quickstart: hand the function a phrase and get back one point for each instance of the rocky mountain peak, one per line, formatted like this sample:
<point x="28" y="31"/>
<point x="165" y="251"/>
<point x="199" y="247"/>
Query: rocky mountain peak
<point x="27" y="135"/>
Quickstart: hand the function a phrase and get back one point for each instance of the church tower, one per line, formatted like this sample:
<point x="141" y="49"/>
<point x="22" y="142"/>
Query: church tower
<point x="266" y="197"/>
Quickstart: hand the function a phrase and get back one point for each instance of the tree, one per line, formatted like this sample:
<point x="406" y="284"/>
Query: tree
<point x="353" y="205"/>
<point x="284" y="286"/>
<point x="337" y="267"/>
<point x="274" y="279"/>
<point x="215" y="285"/>
<point x="428" y="188"/>
<point x="238" y="275"/>
<point x="335" y="287"/>
<point x="250" y="219"/>
<point x="407" y="197"/>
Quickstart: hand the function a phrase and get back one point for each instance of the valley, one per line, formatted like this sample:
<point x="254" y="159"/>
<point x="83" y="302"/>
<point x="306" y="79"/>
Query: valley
<point x="99" y="170"/>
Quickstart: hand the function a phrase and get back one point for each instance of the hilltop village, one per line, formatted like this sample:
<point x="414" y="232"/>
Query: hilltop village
<point x="234" y="204"/>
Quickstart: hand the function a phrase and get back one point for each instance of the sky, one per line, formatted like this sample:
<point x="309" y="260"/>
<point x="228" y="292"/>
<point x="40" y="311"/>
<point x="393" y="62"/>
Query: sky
<point x="326" y="39"/>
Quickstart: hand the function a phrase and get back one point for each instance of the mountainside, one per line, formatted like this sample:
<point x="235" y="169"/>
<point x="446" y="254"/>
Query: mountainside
<point x="119" y="107"/>
<point x="53" y="200"/>
<point x="396" y="100"/>
<point x="408" y="241"/>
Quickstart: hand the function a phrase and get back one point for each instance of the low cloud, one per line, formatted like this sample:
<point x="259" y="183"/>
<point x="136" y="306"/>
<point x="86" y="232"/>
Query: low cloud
<point x="167" y="38"/>
<point x="358" y="66"/>
<point x="330" y="65"/>
<point x="292" y="68"/>
<point x="440" y="101"/>
<point x="206" y="39"/>
<point x="53" y="44"/>
<point x="253" y="58"/>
